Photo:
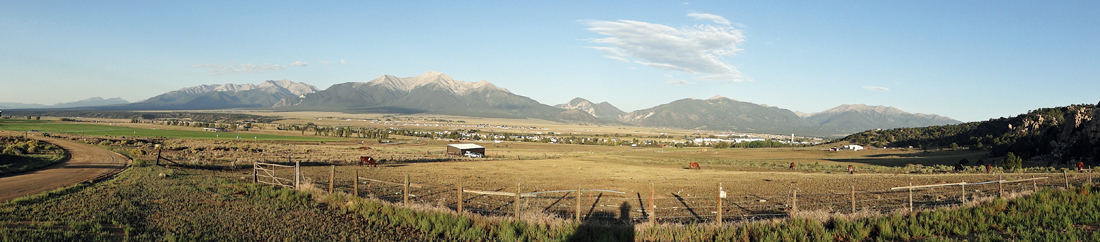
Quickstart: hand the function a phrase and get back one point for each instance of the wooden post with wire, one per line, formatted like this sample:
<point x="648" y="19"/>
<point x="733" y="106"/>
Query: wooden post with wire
<point x="721" y="194"/>
<point x="516" y="204"/>
<point x="578" y="203"/>
<point x="794" y="202"/>
<point x="460" y="195"/>
<point x="331" y="179"/>
<point x="405" y="200"/>
<point x="963" y="190"/>
<point x="1000" y="185"/>
<point x="652" y="206"/>
<point x="853" y="198"/>
<point x="1034" y="186"/>
<point x="1066" y="177"/>
<point x="910" y="197"/>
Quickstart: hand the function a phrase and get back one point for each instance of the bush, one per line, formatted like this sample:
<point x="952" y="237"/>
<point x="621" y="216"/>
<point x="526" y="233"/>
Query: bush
<point x="137" y="152"/>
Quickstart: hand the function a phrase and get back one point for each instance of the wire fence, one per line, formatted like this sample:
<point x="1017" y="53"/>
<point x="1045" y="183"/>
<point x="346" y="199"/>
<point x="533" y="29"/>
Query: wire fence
<point x="669" y="207"/>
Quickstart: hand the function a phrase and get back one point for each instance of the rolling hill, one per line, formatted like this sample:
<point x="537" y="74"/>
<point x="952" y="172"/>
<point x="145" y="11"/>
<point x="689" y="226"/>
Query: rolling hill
<point x="859" y="117"/>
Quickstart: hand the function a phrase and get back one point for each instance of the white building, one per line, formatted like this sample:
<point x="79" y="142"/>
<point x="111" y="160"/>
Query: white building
<point x="853" y="147"/>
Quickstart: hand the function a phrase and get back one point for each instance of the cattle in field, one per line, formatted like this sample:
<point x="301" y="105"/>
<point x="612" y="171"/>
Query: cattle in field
<point x="368" y="160"/>
<point x="988" y="168"/>
<point x="1080" y="166"/>
<point x="851" y="169"/>
<point x="792" y="166"/>
<point x="694" y="165"/>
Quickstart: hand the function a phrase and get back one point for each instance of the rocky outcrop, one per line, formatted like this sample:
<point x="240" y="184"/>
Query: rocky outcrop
<point x="1094" y="126"/>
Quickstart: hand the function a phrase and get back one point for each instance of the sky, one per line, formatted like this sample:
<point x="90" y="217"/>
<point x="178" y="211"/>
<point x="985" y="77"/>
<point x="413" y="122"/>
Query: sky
<point x="968" y="60"/>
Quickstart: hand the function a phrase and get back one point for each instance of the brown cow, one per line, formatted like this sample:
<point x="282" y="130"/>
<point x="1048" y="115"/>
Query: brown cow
<point x="694" y="165"/>
<point x="988" y="168"/>
<point x="792" y="166"/>
<point x="851" y="169"/>
<point x="368" y="160"/>
<point x="1080" y="166"/>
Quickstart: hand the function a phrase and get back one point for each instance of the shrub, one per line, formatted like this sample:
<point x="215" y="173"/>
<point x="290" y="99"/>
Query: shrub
<point x="137" y="152"/>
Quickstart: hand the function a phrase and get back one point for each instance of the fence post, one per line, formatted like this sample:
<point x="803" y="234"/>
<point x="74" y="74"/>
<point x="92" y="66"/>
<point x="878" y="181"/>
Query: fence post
<point x="853" y="198"/>
<point x="1090" y="175"/>
<point x="255" y="173"/>
<point x="720" y="195"/>
<point x="356" y="186"/>
<point x="460" y="195"/>
<point x="516" y="204"/>
<point x="1001" y="186"/>
<point x="794" y="202"/>
<point x="652" y="206"/>
<point x="964" y="191"/>
<point x="910" y="197"/>
<point x="405" y="201"/>
<point x="578" y="203"/>
<point x="297" y="174"/>
<point x="1066" y="176"/>
<point x="331" y="179"/>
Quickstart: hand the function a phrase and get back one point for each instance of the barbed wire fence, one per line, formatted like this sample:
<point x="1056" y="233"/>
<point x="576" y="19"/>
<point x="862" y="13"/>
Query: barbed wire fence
<point x="670" y="207"/>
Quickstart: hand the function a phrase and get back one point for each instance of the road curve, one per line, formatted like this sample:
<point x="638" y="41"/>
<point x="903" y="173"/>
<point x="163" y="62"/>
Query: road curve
<point x="86" y="163"/>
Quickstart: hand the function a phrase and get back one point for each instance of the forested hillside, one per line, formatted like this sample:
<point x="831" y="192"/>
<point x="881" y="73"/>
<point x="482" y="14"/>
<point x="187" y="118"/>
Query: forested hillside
<point x="1064" y="134"/>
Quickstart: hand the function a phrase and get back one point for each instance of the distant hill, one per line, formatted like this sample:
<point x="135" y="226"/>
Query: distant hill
<point x="263" y="95"/>
<point x="603" y="111"/>
<point x="858" y="117"/>
<point x="1056" y="134"/>
<point x="431" y="92"/>
<point x="720" y="113"/>
<point x="90" y="102"/>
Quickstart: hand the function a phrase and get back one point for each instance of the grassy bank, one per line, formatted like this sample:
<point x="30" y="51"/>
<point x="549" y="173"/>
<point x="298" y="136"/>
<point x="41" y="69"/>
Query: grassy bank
<point x="18" y="155"/>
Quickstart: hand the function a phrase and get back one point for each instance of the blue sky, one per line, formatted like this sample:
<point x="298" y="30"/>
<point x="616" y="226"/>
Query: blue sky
<point x="967" y="60"/>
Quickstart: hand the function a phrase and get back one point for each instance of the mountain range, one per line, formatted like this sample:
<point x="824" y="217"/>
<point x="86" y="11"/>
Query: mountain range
<point x="438" y="93"/>
<point x="91" y="102"/>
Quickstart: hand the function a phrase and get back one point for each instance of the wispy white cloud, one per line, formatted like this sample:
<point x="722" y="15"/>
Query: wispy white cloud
<point x="876" y="89"/>
<point x="216" y="69"/>
<point x="300" y="63"/>
<point x="695" y="49"/>
<point x="677" y="82"/>
<point x="342" y="61"/>
<point x="706" y="16"/>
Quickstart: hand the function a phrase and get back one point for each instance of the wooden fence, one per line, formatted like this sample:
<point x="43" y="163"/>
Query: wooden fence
<point x="636" y="207"/>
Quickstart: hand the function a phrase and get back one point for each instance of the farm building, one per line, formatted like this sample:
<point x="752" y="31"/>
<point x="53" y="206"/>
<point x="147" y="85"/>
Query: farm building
<point x="853" y="147"/>
<point x="214" y="129"/>
<point x="463" y="149"/>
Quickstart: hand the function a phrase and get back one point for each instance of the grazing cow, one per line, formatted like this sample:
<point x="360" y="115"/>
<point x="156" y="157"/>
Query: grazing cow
<point x="1080" y="166"/>
<point x="851" y="169"/>
<point x="694" y="165"/>
<point x="368" y="160"/>
<point x="988" y="168"/>
<point x="792" y="166"/>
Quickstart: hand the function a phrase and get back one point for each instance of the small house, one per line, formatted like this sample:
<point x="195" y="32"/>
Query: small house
<point x="214" y="129"/>
<point x="465" y="149"/>
<point x="853" y="147"/>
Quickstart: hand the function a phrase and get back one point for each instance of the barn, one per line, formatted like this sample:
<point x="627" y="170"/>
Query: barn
<point x="463" y="149"/>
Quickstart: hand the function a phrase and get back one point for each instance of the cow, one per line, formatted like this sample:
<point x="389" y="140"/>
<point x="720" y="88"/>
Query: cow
<point x="1080" y="166"/>
<point x="792" y="166"/>
<point x="851" y="169"/>
<point x="368" y="160"/>
<point x="988" y="168"/>
<point x="694" y="165"/>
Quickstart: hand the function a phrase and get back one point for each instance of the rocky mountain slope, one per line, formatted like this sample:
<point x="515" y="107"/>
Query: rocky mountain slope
<point x="720" y="113"/>
<point x="603" y="111"/>
<point x="262" y="95"/>
<point x="431" y="92"/>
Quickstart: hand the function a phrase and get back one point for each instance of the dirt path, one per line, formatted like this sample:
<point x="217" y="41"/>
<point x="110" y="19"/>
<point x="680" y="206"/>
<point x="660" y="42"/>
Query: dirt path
<point x="87" y="163"/>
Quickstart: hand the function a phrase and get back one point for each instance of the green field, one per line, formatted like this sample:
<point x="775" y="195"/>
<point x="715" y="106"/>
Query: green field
<point x="110" y="130"/>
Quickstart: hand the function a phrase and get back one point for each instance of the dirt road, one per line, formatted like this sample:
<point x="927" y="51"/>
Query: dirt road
<point x="87" y="163"/>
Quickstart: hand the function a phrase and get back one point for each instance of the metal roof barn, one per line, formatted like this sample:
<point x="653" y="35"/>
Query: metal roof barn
<point x="462" y="149"/>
